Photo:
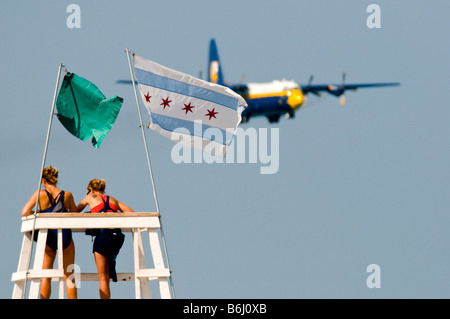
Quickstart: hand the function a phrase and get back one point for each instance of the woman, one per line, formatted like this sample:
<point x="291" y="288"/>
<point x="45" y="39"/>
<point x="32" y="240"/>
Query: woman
<point x="107" y="242"/>
<point x="52" y="199"/>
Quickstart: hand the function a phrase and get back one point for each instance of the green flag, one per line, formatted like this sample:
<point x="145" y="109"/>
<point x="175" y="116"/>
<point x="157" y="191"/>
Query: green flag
<point x="84" y="111"/>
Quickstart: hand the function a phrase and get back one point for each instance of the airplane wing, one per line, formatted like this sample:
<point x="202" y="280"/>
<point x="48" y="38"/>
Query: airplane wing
<point x="339" y="89"/>
<point x="124" y="82"/>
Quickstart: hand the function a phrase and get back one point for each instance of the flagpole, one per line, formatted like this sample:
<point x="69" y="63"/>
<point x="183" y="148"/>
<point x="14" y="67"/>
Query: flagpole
<point x="40" y="175"/>
<point x="149" y="166"/>
<point x="142" y="130"/>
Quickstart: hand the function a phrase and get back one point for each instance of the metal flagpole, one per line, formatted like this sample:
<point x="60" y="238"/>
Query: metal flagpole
<point x="142" y="130"/>
<point x="40" y="176"/>
<point x="149" y="166"/>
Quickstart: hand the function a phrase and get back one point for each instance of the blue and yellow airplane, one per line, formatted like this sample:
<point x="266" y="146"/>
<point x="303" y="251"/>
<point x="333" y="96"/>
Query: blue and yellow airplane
<point x="277" y="98"/>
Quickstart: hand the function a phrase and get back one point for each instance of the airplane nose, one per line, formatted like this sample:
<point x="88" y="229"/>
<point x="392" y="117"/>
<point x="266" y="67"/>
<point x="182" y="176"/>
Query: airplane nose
<point x="295" y="98"/>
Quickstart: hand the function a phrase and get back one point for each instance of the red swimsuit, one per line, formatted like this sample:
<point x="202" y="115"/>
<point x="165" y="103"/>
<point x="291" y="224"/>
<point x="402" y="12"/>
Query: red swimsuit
<point x="109" y="241"/>
<point x="106" y="206"/>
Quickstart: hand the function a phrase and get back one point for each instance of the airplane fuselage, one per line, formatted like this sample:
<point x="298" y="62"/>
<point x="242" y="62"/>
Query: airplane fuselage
<point x="271" y="99"/>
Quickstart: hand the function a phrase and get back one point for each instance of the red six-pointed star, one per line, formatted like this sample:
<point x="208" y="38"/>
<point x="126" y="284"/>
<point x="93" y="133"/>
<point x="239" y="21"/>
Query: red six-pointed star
<point x="188" y="108"/>
<point x="165" y="102"/>
<point x="147" y="97"/>
<point x="212" y="113"/>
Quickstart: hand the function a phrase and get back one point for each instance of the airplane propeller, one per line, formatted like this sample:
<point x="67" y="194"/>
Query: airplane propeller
<point x="309" y="84"/>
<point x="342" y="97"/>
<point x="339" y="91"/>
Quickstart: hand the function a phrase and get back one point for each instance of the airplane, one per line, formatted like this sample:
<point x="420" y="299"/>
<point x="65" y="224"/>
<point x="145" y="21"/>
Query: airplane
<point x="279" y="97"/>
<point x="276" y="98"/>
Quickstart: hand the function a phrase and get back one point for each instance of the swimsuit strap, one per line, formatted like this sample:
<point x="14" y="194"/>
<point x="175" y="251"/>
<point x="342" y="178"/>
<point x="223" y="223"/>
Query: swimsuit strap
<point x="106" y="206"/>
<point x="52" y="202"/>
<point x="61" y="197"/>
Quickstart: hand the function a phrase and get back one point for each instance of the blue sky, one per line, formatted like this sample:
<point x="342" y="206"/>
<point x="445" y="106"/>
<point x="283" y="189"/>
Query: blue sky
<point x="360" y="184"/>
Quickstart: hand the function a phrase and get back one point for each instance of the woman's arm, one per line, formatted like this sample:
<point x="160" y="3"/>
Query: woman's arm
<point x="27" y="209"/>
<point x="69" y="202"/>
<point x="124" y="208"/>
<point x="82" y="205"/>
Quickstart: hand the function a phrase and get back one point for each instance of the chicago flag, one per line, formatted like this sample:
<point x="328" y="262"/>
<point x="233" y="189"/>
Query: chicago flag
<point x="188" y="110"/>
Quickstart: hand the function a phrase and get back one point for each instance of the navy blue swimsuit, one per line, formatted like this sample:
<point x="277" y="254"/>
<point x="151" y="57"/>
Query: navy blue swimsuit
<point x="52" y="235"/>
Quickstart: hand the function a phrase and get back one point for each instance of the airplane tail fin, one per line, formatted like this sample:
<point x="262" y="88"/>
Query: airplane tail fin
<point x="215" y="74"/>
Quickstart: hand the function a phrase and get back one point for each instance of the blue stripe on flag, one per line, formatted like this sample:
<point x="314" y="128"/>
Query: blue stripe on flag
<point x="164" y="83"/>
<point x="174" y="125"/>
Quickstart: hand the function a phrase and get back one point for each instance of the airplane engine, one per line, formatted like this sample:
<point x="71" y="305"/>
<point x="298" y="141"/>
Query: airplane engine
<point x="295" y="98"/>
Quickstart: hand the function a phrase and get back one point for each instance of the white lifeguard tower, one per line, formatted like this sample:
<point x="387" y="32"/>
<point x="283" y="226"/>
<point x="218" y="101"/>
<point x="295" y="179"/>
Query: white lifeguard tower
<point x="136" y="223"/>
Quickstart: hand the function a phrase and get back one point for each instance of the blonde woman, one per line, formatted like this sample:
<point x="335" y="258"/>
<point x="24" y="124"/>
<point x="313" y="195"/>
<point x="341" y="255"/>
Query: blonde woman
<point x="107" y="242"/>
<point x="52" y="199"/>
